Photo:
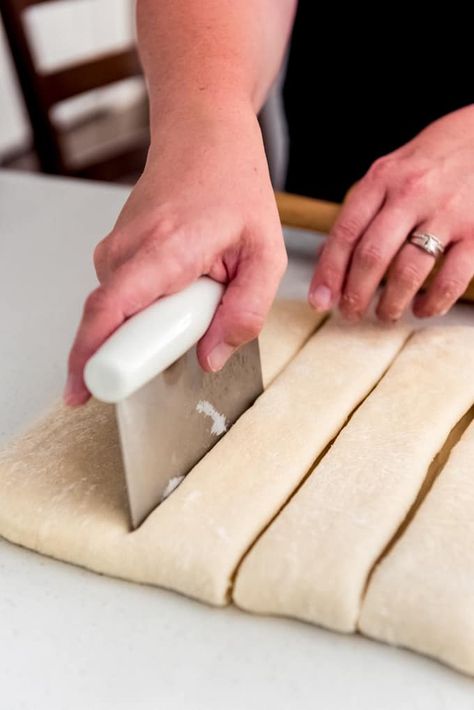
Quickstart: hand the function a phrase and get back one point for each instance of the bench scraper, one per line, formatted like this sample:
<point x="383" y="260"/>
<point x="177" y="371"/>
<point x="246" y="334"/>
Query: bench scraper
<point x="169" y="411"/>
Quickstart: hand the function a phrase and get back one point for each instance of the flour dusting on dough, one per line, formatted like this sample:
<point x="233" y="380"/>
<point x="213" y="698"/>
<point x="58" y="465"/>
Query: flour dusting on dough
<point x="172" y="484"/>
<point x="219" y="423"/>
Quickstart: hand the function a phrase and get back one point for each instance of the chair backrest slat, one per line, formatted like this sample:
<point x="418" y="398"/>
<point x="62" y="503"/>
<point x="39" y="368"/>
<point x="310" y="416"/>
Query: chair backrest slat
<point x="93" y="74"/>
<point x="23" y="4"/>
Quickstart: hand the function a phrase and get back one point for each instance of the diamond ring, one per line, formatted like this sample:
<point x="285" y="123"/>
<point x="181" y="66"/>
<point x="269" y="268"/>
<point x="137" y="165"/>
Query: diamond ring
<point x="428" y="242"/>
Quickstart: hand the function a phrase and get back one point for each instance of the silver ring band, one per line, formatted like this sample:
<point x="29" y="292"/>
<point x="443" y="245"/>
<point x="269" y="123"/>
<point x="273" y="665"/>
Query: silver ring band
<point x="428" y="242"/>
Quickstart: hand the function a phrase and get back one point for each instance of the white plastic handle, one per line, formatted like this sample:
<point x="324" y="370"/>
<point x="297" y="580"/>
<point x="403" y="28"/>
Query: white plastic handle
<point x="151" y="341"/>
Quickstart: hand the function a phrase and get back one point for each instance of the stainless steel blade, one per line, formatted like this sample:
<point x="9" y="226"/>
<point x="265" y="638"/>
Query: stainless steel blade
<point x="168" y="425"/>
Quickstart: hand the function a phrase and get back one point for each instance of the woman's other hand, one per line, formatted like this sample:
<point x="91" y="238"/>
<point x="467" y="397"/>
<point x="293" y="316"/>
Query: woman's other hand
<point x="427" y="185"/>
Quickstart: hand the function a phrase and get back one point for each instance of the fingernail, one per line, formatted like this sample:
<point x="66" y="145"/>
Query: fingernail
<point x="320" y="298"/>
<point x="218" y="357"/>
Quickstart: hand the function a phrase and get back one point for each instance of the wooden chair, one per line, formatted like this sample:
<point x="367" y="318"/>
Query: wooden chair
<point x="43" y="91"/>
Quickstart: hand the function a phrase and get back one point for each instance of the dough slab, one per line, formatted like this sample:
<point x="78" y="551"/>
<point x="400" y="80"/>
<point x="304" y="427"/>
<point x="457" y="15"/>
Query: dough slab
<point x="287" y="328"/>
<point x="422" y="594"/>
<point x="61" y="490"/>
<point x="314" y="560"/>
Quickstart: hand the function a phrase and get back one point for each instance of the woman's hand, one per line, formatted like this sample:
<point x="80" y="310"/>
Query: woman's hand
<point x="428" y="185"/>
<point x="203" y="206"/>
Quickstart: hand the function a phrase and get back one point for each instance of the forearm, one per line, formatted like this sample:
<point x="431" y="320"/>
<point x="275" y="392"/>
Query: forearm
<point x="216" y="54"/>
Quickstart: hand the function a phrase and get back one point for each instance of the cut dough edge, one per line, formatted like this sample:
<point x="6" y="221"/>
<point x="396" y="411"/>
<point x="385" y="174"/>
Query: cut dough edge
<point x="314" y="560"/>
<point x="434" y="470"/>
<point x="421" y="594"/>
<point x="63" y="495"/>
<point x="288" y="326"/>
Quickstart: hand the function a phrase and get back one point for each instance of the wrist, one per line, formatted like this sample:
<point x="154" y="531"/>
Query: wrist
<point x="203" y="106"/>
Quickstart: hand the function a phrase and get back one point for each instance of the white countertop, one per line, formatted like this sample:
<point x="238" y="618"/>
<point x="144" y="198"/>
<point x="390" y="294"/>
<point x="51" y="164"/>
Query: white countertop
<point x="71" y="639"/>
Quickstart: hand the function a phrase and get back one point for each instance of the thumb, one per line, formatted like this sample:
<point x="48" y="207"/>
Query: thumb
<point x="242" y="312"/>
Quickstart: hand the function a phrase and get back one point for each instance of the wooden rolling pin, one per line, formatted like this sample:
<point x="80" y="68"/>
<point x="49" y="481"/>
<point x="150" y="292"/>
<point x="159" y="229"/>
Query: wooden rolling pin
<point x="319" y="216"/>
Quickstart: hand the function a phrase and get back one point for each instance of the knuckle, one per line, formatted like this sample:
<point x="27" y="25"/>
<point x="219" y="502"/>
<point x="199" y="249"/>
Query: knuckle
<point x="111" y="243"/>
<point x="107" y="253"/>
<point x="97" y="301"/>
<point x="165" y="225"/>
<point x="175" y="253"/>
<point x="165" y="233"/>
<point x="351" y="301"/>
<point x="152" y="254"/>
<point x="408" y="276"/>
<point x="380" y="168"/>
<point x="98" y="255"/>
<point x="345" y="232"/>
<point x="369" y="256"/>
<point x="330" y="273"/>
<point x="184" y="267"/>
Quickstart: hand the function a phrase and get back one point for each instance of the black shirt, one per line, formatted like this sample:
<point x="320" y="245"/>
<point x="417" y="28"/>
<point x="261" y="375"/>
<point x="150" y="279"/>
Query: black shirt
<point x="357" y="88"/>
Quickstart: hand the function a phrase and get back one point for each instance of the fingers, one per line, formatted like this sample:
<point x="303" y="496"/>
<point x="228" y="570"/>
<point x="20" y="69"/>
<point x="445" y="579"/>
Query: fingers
<point x="372" y="257"/>
<point x="449" y="283"/>
<point x="406" y="275"/>
<point x="360" y="208"/>
<point x="134" y="286"/>
<point x="246" y="302"/>
<point x="158" y="270"/>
